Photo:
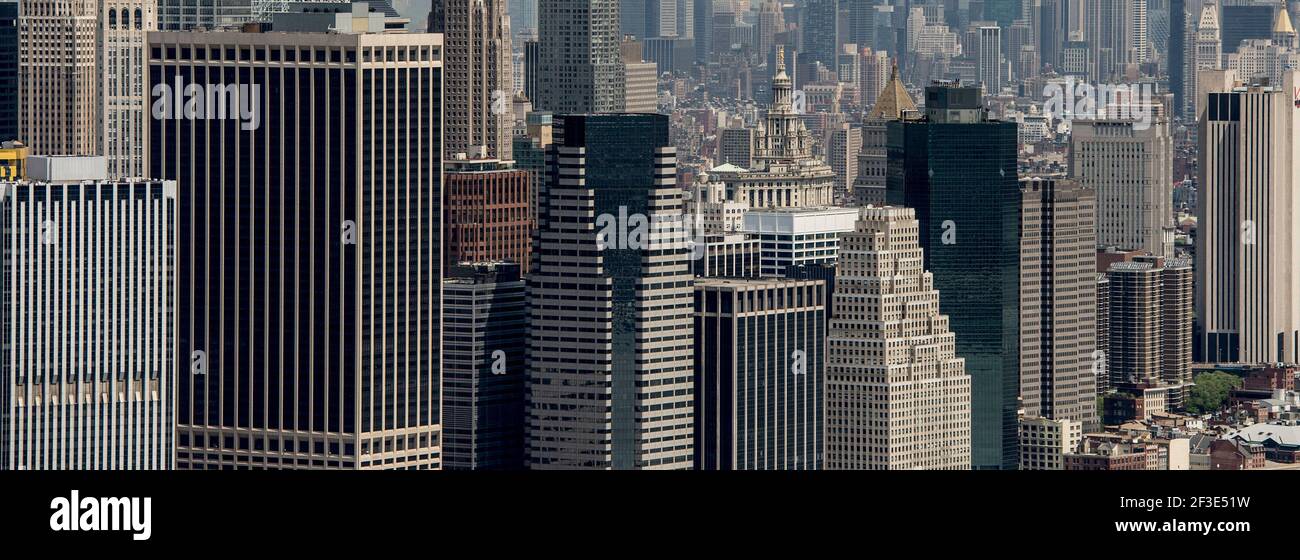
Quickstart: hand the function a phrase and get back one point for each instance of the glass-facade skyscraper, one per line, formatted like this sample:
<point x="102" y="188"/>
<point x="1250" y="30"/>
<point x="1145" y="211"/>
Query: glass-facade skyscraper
<point x="958" y="170"/>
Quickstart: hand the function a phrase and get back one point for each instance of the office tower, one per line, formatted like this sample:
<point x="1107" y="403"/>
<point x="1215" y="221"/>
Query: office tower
<point x="8" y="70"/>
<point x="523" y="17"/>
<point x="1181" y="28"/>
<point x="1003" y="11"/>
<point x="532" y="65"/>
<point x="702" y="19"/>
<point x="610" y="353"/>
<point x="1262" y="61"/>
<point x="309" y="270"/>
<point x="1247" y="282"/>
<point x="796" y="236"/>
<point x="770" y="21"/>
<point x="640" y="81"/>
<point x="957" y="168"/>
<point x="1103" y="333"/>
<point x="477" y="85"/>
<point x="990" y="59"/>
<point x="875" y="72"/>
<point x="1019" y="37"/>
<point x="892" y="104"/>
<point x="1129" y="164"/>
<point x="1076" y="60"/>
<point x="1207" y="55"/>
<point x="579" y="69"/>
<point x="183" y="15"/>
<point x="1058" y="290"/>
<point x="122" y="28"/>
<point x="1116" y="32"/>
<point x="88" y="318"/>
<point x="1044" y="442"/>
<point x="1150" y="322"/>
<point x="842" y="155"/>
<point x="820" y="26"/>
<point x="784" y="173"/>
<point x="736" y="146"/>
<point x="759" y="377"/>
<point x="897" y="395"/>
<point x="485" y="324"/>
<point x="1052" y="31"/>
<point x="1243" y="21"/>
<point x="489" y="212"/>
<point x="59" y="100"/>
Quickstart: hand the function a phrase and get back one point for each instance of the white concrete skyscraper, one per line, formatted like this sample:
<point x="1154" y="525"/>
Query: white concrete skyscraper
<point x="1248" y="243"/>
<point x="478" y="79"/>
<point x="897" y="395"/>
<point x="87" y="320"/>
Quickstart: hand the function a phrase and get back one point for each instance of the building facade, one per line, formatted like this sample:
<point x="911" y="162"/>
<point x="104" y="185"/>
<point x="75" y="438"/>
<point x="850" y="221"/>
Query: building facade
<point x="123" y="25"/>
<point x="610" y="371"/>
<point x="759" y="378"/>
<point x="1058" y="290"/>
<point x="59" y="101"/>
<point x="579" y="67"/>
<point x="1129" y="164"/>
<point x="309" y="269"/>
<point x="478" y="87"/>
<point x="489" y="212"/>
<point x="957" y="168"/>
<point x="484" y="335"/>
<point x="1247" y="280"/>
<point x="89" y="370"/>
<point x="897" y="394"/>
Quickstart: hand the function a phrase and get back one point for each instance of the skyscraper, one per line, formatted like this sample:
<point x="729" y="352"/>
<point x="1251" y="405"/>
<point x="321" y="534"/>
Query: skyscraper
<point x="579" y="68"/>
<point x="990" y="59"/>
<point x="309" y="246"/>
<point x="489" y="212"/>
<point x="478" y="75"/>
<point x="611" y="378"/>
<point x="1207" y="55"/>
<point x="1058" y="290"/>
<point x="485" y="326"/>
<point x="1247" y="282"/>
<point x="759" y="383"/>
<point x="1150" y="322"/>
<point x="88" y="371"/>
<point x="1129" y="164"/>
<point x="820" y="27"/>
<point x="59" y="101"/>
<point x="183" y="15"/>
<point x="122" y="28"/>
<point x="8" y="70"/>
<point x="957" y="168"/>
<point x="897" y="395"/>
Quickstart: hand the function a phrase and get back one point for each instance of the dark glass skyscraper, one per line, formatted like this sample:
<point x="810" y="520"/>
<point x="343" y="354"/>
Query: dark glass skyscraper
<point x="309" y="245"/>
<point x="958" y="170"/>
<point x="8" y="71"/>
<point x="485" y="326"/>
<point x="760" y="349"/>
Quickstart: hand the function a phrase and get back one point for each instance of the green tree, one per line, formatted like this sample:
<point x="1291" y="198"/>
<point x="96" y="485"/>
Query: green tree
<point x="1211" y="391"/>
